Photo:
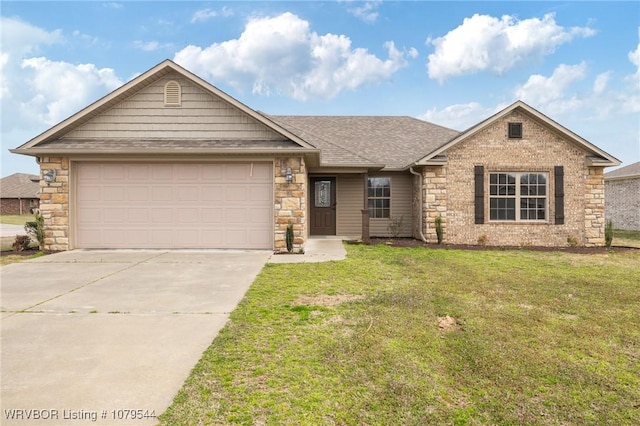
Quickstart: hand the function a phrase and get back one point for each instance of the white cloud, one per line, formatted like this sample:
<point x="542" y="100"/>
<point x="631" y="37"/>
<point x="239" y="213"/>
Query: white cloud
<point x="601" y="82"/>
<point x="206" y="14"/>
<point x="59" y="89"/>
<point x="21" y="38"/>
<point x="4" y="82"/>
<point x="486" y="43"/>
<point x="460" y="116"/>
<point x="551" y="92"/>
<point x="150" y="46"/>
<point x="366" y="11"/>
<point x="281" y="54"/>
<point x="112" y="5"/>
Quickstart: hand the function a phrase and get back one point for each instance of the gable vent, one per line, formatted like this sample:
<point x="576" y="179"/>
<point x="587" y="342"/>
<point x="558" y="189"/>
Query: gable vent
<point x="172" y="94"/>
<point x="515" y="130"/>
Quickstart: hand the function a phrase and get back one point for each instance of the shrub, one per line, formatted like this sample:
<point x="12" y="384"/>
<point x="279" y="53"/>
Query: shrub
<point x="36" y="230"/>
<point x="439" y="229"/>
<point x="289" y="237"/>
<point x="572" y="241"/>
<point x="482" y="240"/>
<point x="608" y="233"/>
<point x="395" y="226"/>
<point x="21" y="243"/>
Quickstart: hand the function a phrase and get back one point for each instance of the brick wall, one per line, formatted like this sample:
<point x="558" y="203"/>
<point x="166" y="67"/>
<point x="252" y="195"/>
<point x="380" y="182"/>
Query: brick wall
<point x="290" y="203"/>
<point x="12" y="205"/>
<point x="54" y="204"/>
<point x="622" y="203"/>
<point x="449" y="189"/>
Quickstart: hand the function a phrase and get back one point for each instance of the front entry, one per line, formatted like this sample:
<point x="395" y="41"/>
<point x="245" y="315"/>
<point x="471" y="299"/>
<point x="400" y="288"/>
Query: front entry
<point x="323" y="206"/>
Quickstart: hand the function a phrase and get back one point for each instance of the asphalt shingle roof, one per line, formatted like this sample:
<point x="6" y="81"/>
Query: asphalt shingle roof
<point x="626" y="171"/>
<point x="20" y="185"/>
<point x="395" y="142"/>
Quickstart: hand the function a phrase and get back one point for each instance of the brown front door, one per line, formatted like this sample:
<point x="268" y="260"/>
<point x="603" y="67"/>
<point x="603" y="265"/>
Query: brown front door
<point x="323" y="206"/>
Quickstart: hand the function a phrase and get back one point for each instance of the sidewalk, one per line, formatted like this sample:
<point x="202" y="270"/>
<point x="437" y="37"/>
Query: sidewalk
<point x="317" y="249"/>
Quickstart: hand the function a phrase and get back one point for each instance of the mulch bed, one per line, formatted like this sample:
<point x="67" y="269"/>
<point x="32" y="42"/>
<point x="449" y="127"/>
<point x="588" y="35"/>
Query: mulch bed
<point x="411" y="242"/>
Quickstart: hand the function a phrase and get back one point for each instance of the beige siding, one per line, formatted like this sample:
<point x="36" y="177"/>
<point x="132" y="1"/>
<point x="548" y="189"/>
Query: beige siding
<point x="201" y="116"/>
<point x="401" y="206"/>
<point x="350" y="202"/>
<point x="349" y="205"/>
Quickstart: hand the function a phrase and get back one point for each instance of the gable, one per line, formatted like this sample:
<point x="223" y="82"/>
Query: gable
<point x="200" y="115"/>
<point x="539" y="128"/>
<point x="139" y="117"/>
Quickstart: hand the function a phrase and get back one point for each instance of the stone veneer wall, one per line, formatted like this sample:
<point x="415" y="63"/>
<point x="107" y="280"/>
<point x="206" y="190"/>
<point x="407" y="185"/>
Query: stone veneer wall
<point x="449" y="189"/>
<point x="54" y="204"/>
<point x="622" y="203"/>
<point x="290" y="203"/>
<point x="435" y="200"/>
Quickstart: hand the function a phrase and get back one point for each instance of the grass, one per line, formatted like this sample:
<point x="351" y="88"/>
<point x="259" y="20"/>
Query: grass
<point x="622" y="238"/>
<point x="17" y="258"/>
<point x="418" y="336"/>
<point x="17" y="219"/>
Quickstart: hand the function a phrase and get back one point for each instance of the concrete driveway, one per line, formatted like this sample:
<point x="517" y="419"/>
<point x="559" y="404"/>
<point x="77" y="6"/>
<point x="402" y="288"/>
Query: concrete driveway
<point x="91" y="334"/>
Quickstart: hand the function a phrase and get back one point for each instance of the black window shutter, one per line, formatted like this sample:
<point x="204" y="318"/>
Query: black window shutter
<point x="558" y="172"/>
<point x="479" y="199"/>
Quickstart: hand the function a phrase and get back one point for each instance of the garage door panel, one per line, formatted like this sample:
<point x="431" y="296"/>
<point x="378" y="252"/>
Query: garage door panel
<point x="161" y="215"/>
<point x="161" y="193"/>
<point x="138" y="215"/>
<point x="209" y="205"/>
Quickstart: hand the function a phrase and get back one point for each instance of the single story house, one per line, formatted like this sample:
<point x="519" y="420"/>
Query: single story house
<point x="170" y="161"/>
<point x="19" y="193"/>
<point x="622" y="199"/>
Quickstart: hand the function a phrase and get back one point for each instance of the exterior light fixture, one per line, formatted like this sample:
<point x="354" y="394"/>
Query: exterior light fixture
<point x="49" y="175"/>
<point x="288" y="175"/>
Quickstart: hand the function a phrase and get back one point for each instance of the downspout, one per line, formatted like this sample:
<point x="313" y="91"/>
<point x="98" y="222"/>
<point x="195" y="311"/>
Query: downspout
<point x="413" y="172"/>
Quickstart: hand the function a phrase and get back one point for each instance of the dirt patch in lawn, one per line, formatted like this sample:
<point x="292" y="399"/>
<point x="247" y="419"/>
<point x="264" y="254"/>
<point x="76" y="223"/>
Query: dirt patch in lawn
<point x="448" y="323"/>
<point x="412" y="242"/>
<point x="328" y="301"/>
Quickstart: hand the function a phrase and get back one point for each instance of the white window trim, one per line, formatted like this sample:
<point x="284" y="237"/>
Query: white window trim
<point x="381" y="198"/>
<point x="518" y="198"/>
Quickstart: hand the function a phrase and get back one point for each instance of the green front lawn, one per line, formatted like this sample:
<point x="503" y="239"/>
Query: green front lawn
<point x="17" y="219"/>
<point x="418" y="336"/>
<point x="622" y="238"/>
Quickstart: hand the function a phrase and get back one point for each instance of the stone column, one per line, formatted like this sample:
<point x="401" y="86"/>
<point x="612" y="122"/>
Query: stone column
<point x="290" y="203"/>
<point x="435" y="201"/>
<point x="594" y="221"/>
<point x="54" y="204"/>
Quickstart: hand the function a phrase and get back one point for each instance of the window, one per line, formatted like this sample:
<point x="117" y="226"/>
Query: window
<point x="379" y="193"/>
<point x="518" y="196"/>
<point x="515" y="130"/>
<point x="323" y="193"/>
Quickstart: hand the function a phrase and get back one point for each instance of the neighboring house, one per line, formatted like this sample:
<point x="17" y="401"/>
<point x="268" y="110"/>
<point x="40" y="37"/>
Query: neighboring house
<point x="20" y="193"/>
<point x="622" y="200"/>
<point x="168" y="160"/>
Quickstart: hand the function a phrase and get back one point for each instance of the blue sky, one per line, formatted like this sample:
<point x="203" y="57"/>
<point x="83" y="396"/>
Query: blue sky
<point x="451" y="63"/>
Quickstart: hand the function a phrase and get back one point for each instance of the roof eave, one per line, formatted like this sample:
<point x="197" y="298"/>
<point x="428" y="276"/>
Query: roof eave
<point x="608" y="159"/>
<point x="131" y="86"/>
<point x="158" y="151"/>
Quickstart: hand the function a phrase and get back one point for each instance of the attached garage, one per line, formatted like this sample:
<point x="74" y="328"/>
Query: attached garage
<point x="173" y="205"/>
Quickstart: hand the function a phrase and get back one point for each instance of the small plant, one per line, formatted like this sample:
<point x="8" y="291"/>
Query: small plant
<point x="439" y="229"/>
<point x="608" y="233"/>
<point x="395" y="226"/>
<point x="21" y="243"/>
<point x="35" y="230"/>
<point x="572" y="241"/>
<point x="289" y="237"/>
<point x="483" y="239"/>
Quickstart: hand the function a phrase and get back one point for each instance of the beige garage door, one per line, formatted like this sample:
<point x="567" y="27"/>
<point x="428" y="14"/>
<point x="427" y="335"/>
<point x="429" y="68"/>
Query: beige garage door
<point x="159" y="205"/>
